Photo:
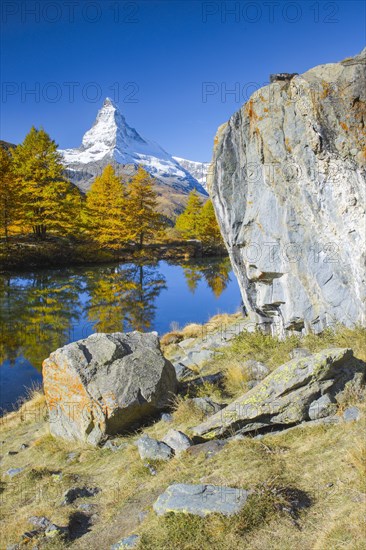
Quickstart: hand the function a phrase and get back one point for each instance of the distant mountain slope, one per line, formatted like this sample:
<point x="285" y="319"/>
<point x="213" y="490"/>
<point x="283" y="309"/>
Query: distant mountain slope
<point x="198" y="170"/>
<point x="6" y="145"/>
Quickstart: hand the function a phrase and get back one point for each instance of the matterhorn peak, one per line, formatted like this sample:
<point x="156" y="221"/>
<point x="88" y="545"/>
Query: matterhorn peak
<point x="111" y="139"/>
<point x="108" y="102"/>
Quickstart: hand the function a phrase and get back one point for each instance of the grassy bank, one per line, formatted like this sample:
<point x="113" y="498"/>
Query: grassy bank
<point x="21" y="254"/>
<point x="310" y="489"/>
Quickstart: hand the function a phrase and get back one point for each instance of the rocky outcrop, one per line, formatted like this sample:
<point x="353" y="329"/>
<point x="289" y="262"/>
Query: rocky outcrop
<point x="288" y="185"/>
<point x="292" y="393"/>
<point x="105" y="384"/>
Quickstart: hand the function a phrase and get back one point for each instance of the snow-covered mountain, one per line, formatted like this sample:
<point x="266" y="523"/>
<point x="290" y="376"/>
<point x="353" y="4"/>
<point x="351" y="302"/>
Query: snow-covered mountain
<point x="198" y="170"/>
<point x="112" y="140"/>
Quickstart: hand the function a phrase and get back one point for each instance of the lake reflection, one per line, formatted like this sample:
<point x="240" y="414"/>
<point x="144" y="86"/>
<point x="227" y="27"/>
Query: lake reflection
<point x="47" y="309"/>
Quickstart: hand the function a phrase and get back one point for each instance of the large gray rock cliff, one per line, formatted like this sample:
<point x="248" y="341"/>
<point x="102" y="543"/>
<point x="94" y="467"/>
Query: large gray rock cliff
<point x="288" y="185"/>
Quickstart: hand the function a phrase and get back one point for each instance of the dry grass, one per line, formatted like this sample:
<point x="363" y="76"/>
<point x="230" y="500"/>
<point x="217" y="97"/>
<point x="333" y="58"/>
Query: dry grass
<point x="274" y="352"/>
<point x="324" y="463"/>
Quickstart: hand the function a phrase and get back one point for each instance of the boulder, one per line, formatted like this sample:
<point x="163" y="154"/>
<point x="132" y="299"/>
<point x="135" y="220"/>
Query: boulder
<point x="200" y="500"/>
<point x="284" y="396"/>
<point x="287" y="183"/>
<point x="105" y="384"/>
<point x="152" y="449"/>
<point x="177" y="440"/>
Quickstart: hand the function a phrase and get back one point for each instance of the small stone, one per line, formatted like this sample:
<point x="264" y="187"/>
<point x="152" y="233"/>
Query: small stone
<point x="71" y="456"/>
<point x="166" y="417"/>
<point x="112" y="446"/>
<point x="14" y="471"/>
<point x="151" y="469"/>
<point x="177" y="440"/>
<point x="12" y="453"/>
<point x="39" y="521"/>
<point x="351" y="414"/>
<point x="152" y="449"/>
<point x="128" y="542"/>
<point x="206" y="405"/>
<point x="24" y="446"/>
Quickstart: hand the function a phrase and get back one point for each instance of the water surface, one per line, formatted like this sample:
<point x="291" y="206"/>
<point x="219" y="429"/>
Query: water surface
<point x="46" y="309"/>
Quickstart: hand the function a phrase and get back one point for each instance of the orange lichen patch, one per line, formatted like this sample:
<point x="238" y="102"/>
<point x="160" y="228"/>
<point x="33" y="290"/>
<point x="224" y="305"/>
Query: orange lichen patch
<point x="326" y="89"/>
<point x="344" y="126"/>
<point x="250" y="111"/>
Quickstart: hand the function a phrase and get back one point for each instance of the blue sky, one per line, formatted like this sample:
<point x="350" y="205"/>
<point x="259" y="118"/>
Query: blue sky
<point x="155" y="59"/>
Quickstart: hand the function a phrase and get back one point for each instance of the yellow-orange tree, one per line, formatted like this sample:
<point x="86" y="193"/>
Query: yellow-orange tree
<point x="199" y="222"/>
<point x="8" y="193"/>
<point x="189" y="221"/>
<point x="106" y="210"/>
<point x="48" y="201"/>
<point x="143" y="220"/>
<point x="209" y="231"/>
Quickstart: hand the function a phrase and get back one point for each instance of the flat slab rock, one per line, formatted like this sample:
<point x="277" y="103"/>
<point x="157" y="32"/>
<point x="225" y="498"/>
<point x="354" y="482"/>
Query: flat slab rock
<point x="105" y="384"/>
<point x="201" y="500"/>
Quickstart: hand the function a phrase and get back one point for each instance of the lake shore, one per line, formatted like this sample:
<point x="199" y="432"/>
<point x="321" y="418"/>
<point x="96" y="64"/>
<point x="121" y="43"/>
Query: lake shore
<point x="24" y="254"/>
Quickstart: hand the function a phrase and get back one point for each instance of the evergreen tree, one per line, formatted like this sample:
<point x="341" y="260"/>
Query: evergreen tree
<point x="188" y="223"/>
<point x="143" y="219"/>
<point x="48" y="202"/>
<point x="8" y="194"/>
<point x="106" y="210"/>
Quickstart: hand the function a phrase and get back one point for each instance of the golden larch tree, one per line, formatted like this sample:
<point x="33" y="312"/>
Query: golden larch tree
<point x="48" y="201"/>
<point x="106" y="210"/>
<point x="143" y="218"/>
